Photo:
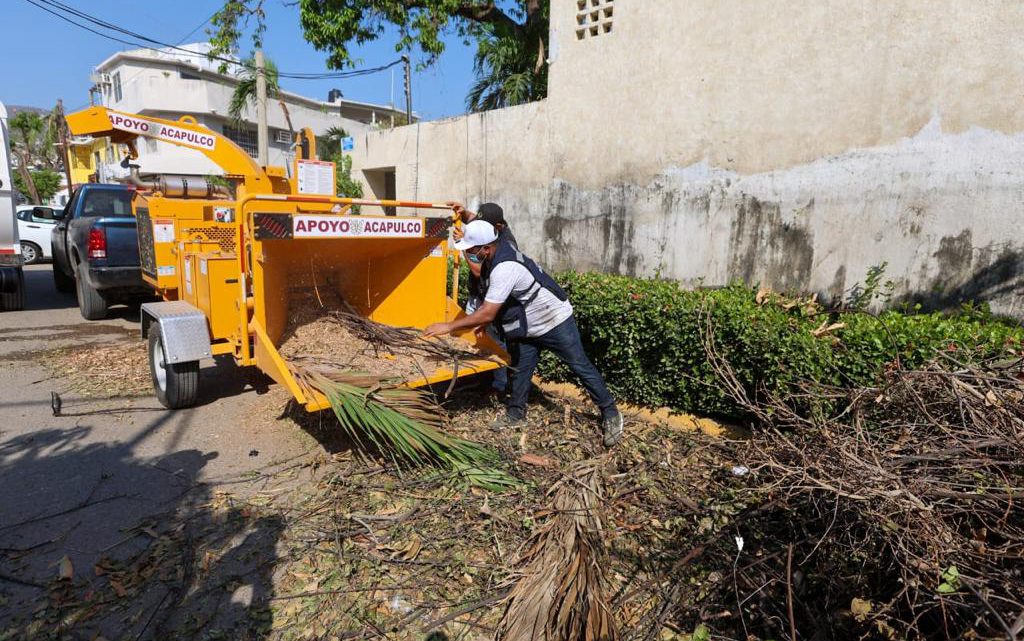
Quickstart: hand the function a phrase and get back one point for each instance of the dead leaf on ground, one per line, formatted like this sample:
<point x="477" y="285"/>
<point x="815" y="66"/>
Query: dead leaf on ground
<point x="65" y="569"/>
<point x="535" y="460"/>
<point x="407" y="551"/>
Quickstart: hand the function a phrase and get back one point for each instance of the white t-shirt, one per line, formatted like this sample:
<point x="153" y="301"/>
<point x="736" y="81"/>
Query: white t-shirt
<point x="543" y="314"/>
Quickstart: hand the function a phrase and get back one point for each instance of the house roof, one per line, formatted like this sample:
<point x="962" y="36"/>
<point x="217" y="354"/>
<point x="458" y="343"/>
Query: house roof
<point x="206" y="68"/>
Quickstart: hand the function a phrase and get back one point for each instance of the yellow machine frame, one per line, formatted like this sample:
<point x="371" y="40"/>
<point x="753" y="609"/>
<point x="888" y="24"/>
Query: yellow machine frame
<point x="234" y="250"/>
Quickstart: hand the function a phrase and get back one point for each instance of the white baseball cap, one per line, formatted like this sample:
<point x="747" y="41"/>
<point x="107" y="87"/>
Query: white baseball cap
<point x="478" y="232"/>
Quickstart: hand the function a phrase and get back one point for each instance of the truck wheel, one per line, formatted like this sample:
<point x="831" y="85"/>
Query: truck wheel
<point x="64" y="283"/>
<point x="31" y="253"/>
<point x="176" y="384"/>
<point x="90" y="302"/>
<point x="14" y="301"/>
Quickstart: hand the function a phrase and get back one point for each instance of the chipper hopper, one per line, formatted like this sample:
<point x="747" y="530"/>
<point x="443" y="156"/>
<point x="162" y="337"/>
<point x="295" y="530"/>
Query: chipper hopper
<point x="226" y="256"/>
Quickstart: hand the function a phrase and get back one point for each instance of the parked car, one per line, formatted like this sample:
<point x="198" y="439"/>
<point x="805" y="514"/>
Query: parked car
<point x="34" y="227"/>
<point x="95" y="248"/>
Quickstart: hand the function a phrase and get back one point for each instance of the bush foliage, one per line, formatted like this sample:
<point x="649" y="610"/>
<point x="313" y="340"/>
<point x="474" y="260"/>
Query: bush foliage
<point x="647" y="337"/>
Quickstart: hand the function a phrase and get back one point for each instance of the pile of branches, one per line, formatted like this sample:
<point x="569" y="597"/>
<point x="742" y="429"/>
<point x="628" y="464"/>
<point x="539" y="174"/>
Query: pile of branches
<point x="388" y="339"/>
<point x="382" y="416"/>
<point x="903" y="507"/>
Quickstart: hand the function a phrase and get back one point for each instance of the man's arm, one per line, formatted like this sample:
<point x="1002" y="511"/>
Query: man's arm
<point x="483" y="315"/>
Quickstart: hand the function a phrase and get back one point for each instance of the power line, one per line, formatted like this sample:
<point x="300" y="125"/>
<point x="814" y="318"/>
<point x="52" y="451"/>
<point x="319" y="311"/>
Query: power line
<point x="62" y="10"/>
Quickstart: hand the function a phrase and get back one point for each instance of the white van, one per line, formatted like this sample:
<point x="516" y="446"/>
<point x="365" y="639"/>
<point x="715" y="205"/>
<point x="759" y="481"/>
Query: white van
<point x="12" y="280"/>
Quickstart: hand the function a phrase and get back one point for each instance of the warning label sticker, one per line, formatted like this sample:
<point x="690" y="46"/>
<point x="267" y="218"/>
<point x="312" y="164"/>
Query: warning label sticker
<point x="163" y="230"/>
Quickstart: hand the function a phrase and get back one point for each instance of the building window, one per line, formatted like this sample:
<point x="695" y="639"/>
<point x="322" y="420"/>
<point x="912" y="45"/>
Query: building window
<point x="117" y="87"/>
<point x="594" y="18"/>
<point x="187" y="76"/>
<point x="244" y="138"/>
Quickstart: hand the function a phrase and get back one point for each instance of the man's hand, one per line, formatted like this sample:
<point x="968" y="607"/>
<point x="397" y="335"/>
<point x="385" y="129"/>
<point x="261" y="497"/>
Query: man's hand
<point x="437" y="329"/>
<point x="460" y="211"/>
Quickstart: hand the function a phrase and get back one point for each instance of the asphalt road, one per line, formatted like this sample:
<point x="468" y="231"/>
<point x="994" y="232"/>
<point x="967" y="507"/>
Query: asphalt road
<point x="75" y="484"/>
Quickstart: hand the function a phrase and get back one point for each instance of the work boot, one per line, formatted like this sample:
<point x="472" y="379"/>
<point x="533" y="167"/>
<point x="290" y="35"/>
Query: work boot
<point x="506" y="422"/>
<point x="612" y="424"/>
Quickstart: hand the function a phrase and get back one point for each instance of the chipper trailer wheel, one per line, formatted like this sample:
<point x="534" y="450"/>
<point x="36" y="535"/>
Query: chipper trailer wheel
<point x="176" y="384"/>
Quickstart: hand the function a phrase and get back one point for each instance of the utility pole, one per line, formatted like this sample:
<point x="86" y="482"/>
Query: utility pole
<point x="261" y="110"/>
<point x="62" y="123"/>
<point x="408" y="90"/>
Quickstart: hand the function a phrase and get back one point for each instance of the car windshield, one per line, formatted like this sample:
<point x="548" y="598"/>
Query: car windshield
<point x="107" y="202"/>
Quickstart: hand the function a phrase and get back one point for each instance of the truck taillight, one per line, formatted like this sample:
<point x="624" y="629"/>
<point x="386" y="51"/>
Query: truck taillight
<point x="97" y="243"/>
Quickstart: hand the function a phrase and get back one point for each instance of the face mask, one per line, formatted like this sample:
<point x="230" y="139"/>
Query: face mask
<point x="476" y="259"/>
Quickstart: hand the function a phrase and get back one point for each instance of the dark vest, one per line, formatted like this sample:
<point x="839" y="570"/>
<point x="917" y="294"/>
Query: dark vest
<point x="511" y="320"/>
<point x="473" y="287"/>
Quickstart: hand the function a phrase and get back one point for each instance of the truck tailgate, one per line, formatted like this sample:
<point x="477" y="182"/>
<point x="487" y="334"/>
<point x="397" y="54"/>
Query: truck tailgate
<point x="122" y="241"/>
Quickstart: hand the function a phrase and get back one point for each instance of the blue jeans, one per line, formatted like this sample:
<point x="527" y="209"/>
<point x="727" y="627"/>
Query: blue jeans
<point x="564" y="341"/>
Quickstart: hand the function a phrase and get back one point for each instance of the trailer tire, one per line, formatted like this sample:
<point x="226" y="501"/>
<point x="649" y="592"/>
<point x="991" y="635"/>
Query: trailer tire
<point x="65" y="284"/>
<point x="176" y="384"/>
<point x="90" y="302"/>
<point x="14" y="301"/>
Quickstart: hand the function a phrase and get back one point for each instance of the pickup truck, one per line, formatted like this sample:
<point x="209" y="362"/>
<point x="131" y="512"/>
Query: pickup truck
<point x="95" y="249"/>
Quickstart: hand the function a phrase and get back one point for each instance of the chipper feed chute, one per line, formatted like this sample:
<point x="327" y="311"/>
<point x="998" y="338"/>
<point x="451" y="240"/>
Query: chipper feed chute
<point x="391" y="269"/>
<point x="228" y="256"/>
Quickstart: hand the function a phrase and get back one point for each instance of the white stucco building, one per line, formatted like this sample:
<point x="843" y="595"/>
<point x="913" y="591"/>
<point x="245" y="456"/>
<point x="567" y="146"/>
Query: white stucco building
<point x="170" y="83"/>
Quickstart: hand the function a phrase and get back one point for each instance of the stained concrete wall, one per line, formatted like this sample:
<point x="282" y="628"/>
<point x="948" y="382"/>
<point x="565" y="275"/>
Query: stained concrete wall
<point x="795" y="144"/>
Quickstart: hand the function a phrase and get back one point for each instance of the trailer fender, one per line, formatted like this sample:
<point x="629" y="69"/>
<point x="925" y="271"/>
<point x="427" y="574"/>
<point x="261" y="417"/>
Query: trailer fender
<point x="186" y="335"/>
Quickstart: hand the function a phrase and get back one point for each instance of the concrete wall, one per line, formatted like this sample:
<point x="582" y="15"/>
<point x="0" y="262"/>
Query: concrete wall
<point x="794" y="144"/>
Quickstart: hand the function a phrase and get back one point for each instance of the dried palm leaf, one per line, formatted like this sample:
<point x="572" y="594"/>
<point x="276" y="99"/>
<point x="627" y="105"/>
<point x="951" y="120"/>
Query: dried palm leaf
<point x="560" y="593"/>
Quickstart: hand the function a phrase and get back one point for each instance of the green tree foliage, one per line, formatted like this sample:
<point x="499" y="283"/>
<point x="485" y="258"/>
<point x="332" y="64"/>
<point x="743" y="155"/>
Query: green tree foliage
<point x="245" y="91"/>
<point x="328" y="147"/>
<point x="510" y="70"/>
<point x="45" y="182"/>
<point x="33" y="144"/>
<point x="511" y="66"/>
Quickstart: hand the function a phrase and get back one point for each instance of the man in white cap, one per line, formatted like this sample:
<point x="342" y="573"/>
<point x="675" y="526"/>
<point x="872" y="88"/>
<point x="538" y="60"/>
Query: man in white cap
<point x="532" y="313"/>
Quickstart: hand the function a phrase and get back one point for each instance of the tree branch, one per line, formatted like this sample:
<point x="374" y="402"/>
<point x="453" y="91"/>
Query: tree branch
<point x="489" y="13"/>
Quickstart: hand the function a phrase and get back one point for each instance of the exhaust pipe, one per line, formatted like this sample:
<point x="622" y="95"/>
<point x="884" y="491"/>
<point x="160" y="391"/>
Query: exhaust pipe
<point x="178" y="186"/>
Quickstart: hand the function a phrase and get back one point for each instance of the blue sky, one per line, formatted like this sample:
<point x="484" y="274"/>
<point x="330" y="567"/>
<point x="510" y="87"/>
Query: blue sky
<point x="44" y="58"/>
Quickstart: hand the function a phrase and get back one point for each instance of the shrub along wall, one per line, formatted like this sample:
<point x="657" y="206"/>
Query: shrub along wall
<point x="646" y="337"/>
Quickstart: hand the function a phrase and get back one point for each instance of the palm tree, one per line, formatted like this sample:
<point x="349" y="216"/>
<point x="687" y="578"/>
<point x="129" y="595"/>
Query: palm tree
<point x="328" y="143"/>
<point x="245" y="91"/>
<point x="510" y="67"/>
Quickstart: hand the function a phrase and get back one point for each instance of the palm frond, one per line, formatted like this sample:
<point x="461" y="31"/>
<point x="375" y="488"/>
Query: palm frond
<point x="560" y="595"/>
<point x="245" y="91"/>
<point x="506" y="69"/>
<point x="403" y="424"/>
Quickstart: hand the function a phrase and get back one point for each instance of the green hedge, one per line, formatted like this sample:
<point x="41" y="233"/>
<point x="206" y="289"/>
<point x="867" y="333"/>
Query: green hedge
<point x="645" y="337"/>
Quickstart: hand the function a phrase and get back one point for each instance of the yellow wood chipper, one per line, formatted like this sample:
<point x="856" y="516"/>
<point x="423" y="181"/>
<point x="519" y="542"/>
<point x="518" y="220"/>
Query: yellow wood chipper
<point x="223" y="256"/>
